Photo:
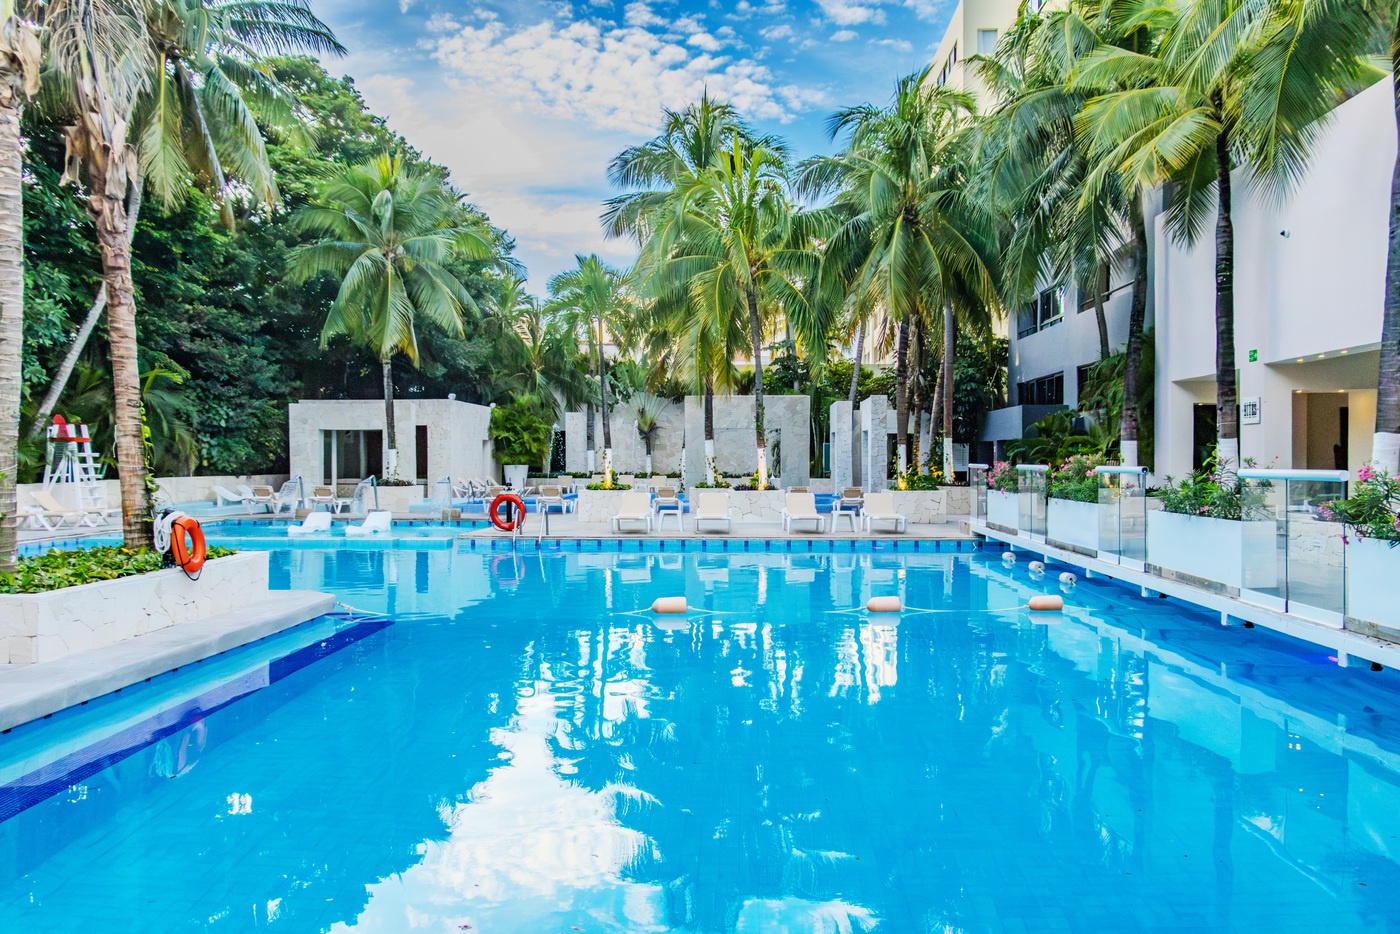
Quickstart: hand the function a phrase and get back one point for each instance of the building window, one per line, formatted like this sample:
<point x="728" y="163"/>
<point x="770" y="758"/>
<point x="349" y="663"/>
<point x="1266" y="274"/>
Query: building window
<point x="351" y="455"/>
<point x="1047" y="390"/>
<point x="986" y="41"/>
<point x="947" y="69"/>
<point x="1082" y="379"/>
<point x="1107" y="288"/>
<point x="1041" y="312"/>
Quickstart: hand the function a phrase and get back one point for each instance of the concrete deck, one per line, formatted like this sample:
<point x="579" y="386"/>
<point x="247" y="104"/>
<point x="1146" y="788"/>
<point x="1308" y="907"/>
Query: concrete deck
<point x="28" y="692"/>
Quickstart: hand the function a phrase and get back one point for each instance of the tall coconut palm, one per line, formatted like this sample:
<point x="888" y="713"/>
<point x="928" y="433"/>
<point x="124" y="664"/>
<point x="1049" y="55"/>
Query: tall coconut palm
<point x="391" y="233"/>
<point x="541" y="350"/>
<point x="731" y="238"/>
<point x="910" y="237"/>
<point x="19" y="79"/>
<point x="595" y="298"/>
<point x="208" y="91"/>
<point x="1232" y="83"/>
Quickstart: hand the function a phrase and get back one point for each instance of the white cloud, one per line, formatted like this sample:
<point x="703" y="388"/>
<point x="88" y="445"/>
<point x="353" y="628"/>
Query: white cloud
<point x="611" y="77"/>
<point x="851" y="12"/>
<point x="774" y="33"/>
<point x="640" y="15"/>
<point x="844" y="35"/>
<point x="928" y="9"/>
<point x="705" y="41"/>
<point x="899" y="45"/>
<point x="744" y="9"/>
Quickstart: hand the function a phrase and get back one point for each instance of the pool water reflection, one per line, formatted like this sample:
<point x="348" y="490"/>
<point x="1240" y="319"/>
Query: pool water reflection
<point x="527" y="749"/>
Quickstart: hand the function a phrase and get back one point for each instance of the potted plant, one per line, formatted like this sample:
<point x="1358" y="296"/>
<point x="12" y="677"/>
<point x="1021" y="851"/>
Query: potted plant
<point x="521" y="435"/>
<point x="1072" y="516"/>
<point x="1003" y="497"/>
<point x="1213" y="530"/>
<point x="1371" y="517"/>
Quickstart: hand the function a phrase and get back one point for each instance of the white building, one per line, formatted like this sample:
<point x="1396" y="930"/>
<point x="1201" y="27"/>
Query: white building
<point x="1309" y="281"/>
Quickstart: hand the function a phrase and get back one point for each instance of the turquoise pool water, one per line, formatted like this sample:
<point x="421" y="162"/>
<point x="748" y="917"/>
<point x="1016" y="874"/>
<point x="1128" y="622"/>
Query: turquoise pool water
<point x="525" y="748"/>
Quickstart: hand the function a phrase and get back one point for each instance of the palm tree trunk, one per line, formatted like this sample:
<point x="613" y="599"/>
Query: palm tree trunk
<point x="709" y="428"/>
<point x="588" y="423"/>
<point x="950" y="343"/>
<point x="1137" y="315"/>
<point x="1101" y="286"/>
<point x="109" y="215"/>
<point x="603" y="405"/>
<point x="901" y="393"/>
<point x="756" y="339"/>
<point x="391" y="436"/>
<point x="11" y="311"/>
<point x="1385" y="446"/>
<point x="99" y="304"/>
<point x="855" y="363"/>
<point x="1227" y="423"/>
<point x="915" y="454"/>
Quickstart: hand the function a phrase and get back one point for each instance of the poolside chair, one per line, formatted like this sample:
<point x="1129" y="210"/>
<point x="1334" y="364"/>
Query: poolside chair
<point x="712" y="506"/>
<point x="49" y="514"/>
<point x="667" y="503"/>
<point x="261" y="496"/>
<point x="879" y="507"/>
<point x="801" y="507"/>
<point x="377" y="522"/>
<point x="658" y="481"/>
<point x="551" y="496"/>
<point x="847" y="506"/>
<point x="635" y="506"/>
<point x="323" y="496"/>
<point x="313" y="523"/>
<point x="223" y="496"/>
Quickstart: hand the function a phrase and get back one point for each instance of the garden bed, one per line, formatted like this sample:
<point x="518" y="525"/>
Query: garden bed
<point x="1004" y="510"/>
<point x="43" y="626"/>
<point x="1213" y="553"/>
<point x="1373" y="567"/>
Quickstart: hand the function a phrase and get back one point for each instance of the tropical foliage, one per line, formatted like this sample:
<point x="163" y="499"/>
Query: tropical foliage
<point x="57" y="569"/>
<point x="1372" y="510"/>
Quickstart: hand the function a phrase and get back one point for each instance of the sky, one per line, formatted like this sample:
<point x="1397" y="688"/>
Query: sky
<point x="526" y="101"/>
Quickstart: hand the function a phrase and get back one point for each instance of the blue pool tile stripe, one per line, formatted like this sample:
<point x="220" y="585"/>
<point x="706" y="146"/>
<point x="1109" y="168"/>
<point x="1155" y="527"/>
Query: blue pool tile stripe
<point x="53" y="778"/>
<point x="723" y="545"/>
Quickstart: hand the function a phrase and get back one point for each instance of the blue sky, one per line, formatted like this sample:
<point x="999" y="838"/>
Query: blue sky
<point x="527" y="100"/>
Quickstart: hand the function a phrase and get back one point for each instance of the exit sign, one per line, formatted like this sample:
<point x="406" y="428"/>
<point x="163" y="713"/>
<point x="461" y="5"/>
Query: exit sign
<point x="1254" y="356"/>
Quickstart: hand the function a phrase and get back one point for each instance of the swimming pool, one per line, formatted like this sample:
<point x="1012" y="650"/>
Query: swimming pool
<point x="527" y="749"/>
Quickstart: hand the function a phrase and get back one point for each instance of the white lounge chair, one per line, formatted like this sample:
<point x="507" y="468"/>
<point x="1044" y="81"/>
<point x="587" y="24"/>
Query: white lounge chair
<point x="712" y="506"/>
<point x="223" y="496"/>
<point x="375" y="523"/>
<point x="313" y="523"/>
<point x="635" y="506"/>
<point x="847" y="506"/>
<point x="323" y="496"/>
<point x="49" y="514"/>
<point x="551" y="496"/>
<point x="801" y="507"/>
<point x="667" y="503"/>
<point x="879" y="507"/>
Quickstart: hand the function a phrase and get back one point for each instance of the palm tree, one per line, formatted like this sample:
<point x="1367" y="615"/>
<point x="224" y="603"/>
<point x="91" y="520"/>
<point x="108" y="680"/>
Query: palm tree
<point x="390" y="233"/>
<point x="594" y="298"/>
<point x="730" y="237"/>
<point x="19" y="80"/>
<point x="208" y="90"/>
<point x="542" y="349"/>
<point x="911" y="237"/>
<point x="1070" y="212"/>
<point x="1232" y="82"/>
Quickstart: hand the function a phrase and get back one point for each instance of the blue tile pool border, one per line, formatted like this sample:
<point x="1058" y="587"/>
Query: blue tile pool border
<point x="734" y="545"/>
<point x="43" y="783"/>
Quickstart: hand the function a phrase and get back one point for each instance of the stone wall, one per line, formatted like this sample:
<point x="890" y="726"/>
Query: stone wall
<point x="458" y="446"/>
<point x="45" y="626"/>
<point x="178" y="489"/>
<point x="789" y="424"/>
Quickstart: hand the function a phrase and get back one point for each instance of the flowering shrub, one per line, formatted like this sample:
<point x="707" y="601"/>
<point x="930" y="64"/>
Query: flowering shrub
<point x="1003" y="477"/>
<point x="1075" y="479"/>
<point x="1371" y="510"/>
<point x="1217" y="493"/>
<point x="912" y="480"/>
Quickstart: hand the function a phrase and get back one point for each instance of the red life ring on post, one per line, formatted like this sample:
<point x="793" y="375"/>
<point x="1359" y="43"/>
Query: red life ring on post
<point x="189" y="558"/>
<point x="507" y="525"/>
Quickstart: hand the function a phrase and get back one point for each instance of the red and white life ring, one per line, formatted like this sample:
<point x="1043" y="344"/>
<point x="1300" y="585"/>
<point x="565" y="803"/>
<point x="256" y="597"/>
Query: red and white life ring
<point x="507" y="525"/>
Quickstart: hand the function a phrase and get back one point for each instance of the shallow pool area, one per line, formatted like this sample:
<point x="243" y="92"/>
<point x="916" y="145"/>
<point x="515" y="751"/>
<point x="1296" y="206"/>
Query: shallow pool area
<point x="518" y="744"/>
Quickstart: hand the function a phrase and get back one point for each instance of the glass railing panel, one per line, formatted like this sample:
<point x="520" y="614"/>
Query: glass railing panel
<point x="1123" y="515"/>
<point x="1263" y="541"/>
<point x="977" y="480"/>
<point x="1030" y="482"/>
<point x="1307" y="560"/>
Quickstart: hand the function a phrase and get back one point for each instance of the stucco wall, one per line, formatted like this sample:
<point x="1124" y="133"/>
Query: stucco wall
<point x="457" y="434"/>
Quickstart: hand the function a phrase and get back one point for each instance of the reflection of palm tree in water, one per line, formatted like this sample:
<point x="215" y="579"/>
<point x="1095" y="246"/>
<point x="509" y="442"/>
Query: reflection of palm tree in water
<point x="179" y="753"/>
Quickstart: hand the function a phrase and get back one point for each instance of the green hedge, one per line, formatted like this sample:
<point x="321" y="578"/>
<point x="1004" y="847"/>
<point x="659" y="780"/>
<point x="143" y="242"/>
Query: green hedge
<point x="58" y="569"/>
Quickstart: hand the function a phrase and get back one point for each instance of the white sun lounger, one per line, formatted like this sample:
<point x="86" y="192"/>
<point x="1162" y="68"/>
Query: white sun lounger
<point x="375" y="523"/>
<point x="223" y="496"/>
<point x="313" y="523"/>
<point x="712" y="506"/>
<point x="635" y="506"/>
<point x="49" y="514"/>
<point x="879" y="507"/>
<point x="801" y="507"/>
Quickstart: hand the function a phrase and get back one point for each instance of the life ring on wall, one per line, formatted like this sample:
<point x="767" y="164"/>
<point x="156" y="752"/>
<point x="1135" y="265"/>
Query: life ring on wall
<point x="189" y="557"/>
<point x="507" y="525"/>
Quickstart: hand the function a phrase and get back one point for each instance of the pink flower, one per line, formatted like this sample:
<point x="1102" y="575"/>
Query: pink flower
<point x="1366" y="473"/>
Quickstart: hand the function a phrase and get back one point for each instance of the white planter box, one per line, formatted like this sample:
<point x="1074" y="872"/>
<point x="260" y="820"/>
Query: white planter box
<point x="756" y="505"/>
<point x="44" y="626"/>
<point x="1372" y="569"/>
<point x="929" y="507"/>
<point x="1003" y="509"/>
<point x="1073" y="524"/>
<point x="516" y="475"/>
<point x="598" y="505"/>
<point x="1214" y="550"/>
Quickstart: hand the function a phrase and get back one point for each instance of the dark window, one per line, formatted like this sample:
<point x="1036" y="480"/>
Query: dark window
<point x="421" y="450"/>
<point x="1041" y="312"/>
<point x="1047" y="390"/>
<point x="1082" y="380"/>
